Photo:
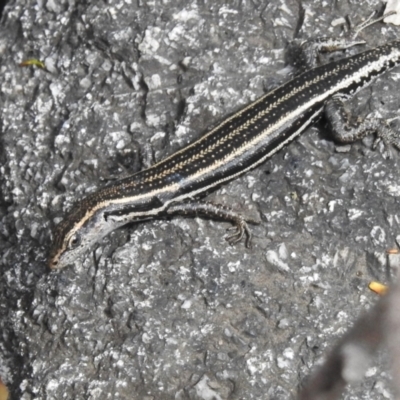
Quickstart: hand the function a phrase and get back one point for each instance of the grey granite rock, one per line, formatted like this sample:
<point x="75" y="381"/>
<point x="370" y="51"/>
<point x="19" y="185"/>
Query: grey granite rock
<point x="165" y="309"/>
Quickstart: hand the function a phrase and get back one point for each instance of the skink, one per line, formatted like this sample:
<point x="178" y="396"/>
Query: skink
<point x="236" y="145"/>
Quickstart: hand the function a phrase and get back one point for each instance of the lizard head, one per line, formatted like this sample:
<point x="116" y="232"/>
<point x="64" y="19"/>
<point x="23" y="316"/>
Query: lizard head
<point x="77" y="233"/>
<point x="80" y="229"/>
<point x="93" y="218"/>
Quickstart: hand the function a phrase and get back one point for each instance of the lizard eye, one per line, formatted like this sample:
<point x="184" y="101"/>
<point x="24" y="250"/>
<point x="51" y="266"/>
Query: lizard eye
<point x="74" y="241"/>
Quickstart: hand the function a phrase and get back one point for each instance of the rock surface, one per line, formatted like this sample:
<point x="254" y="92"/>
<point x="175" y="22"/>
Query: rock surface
<point x="165" y="309"/>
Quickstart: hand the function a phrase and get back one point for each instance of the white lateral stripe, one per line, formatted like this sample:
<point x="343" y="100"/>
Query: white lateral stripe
<point x="200" y="190"/>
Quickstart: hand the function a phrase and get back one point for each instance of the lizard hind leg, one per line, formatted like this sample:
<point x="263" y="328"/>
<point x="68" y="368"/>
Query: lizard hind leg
<point x="347" y="130"/>
<point x="303" y="54"/>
